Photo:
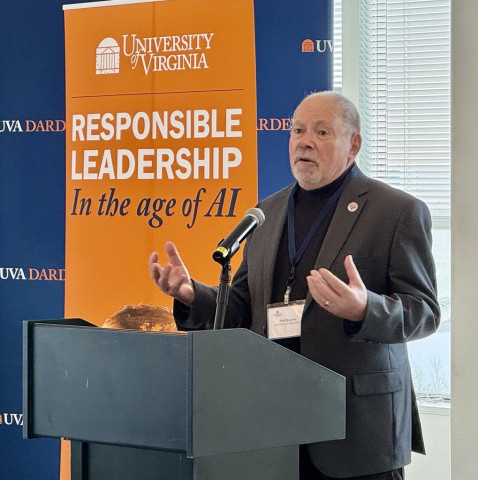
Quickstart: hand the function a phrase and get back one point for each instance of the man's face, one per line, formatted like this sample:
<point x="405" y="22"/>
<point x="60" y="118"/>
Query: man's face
<point x="320" y="146"/>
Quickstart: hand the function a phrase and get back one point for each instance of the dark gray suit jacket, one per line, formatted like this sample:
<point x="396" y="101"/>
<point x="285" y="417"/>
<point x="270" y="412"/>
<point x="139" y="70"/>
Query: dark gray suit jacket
<point x="390" y="240"/>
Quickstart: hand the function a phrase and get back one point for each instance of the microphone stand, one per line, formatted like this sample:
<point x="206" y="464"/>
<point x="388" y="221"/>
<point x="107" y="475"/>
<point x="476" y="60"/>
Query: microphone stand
<point x="222" y="296"/>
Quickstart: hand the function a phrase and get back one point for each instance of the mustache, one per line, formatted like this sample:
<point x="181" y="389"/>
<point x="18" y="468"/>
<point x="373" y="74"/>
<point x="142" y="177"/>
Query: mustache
<point x="304" y="156"/>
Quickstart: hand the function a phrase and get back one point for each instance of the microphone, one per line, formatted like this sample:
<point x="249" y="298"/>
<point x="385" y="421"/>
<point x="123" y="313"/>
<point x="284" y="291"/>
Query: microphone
<point x="228" y="247"/>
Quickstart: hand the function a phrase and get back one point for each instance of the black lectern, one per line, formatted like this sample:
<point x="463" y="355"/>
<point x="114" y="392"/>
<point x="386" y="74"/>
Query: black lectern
<point x="206" y="405"/>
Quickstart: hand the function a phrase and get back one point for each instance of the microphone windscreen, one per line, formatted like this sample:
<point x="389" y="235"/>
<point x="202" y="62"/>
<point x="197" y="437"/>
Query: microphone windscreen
<point x="258" y="214"/>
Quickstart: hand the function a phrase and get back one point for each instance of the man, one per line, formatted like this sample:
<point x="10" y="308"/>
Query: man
<point x="359" y="253"/>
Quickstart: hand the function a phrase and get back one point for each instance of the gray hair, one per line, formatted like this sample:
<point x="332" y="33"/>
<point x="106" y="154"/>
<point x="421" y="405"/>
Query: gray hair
<point x="350" y="114"/>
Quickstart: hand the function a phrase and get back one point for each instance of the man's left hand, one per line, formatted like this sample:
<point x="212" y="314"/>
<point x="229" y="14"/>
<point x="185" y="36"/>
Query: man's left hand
<point x="347" y="301"/>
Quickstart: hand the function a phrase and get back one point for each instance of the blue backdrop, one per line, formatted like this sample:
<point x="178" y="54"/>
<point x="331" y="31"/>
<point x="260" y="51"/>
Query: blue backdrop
<point x="32" y="173"/>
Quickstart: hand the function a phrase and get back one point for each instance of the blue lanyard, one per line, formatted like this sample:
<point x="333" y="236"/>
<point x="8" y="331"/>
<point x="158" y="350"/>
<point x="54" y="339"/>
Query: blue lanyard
<point x="294" y="254"/>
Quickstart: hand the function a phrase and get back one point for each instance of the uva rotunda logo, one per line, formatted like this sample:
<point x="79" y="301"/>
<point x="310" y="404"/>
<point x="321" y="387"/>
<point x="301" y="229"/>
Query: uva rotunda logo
<point x="107" y="57"/>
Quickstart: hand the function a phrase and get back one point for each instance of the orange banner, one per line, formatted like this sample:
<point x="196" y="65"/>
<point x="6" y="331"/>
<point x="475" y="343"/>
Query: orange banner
<point x="161" y="142"/>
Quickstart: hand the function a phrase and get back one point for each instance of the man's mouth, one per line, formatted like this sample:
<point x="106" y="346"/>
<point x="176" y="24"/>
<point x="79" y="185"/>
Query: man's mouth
<point x="304" y="159"/>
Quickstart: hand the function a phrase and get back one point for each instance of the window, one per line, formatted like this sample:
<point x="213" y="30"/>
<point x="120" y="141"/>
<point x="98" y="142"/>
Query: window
<point x="404" y="100"/>
<point x="405" y="97"/>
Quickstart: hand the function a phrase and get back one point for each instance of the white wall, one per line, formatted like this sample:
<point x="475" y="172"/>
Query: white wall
<point x="464" y="372"/>
<point x="435" y="465"/>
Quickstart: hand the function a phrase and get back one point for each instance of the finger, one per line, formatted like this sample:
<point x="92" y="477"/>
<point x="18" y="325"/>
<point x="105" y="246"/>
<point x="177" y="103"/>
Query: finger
<point x="173" y="254"/>
<point x="317" y="293"/>
<point x="154" y="267"/>
<point x="321" y="283"/>
<point x="163" y="278"/>
<point x="352" y="272"/>
<point x="334" y="283"/>
<point x="153" y="258"/>
<point x="319" y="288"/>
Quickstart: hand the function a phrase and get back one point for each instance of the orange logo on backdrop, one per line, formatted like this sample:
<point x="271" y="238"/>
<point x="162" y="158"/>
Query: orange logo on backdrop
<point x="161" y="143"/>
<point x="307" y="45"/>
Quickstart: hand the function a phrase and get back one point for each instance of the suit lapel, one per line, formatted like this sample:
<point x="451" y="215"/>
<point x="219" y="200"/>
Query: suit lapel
<point x="348" y="210"/>
<point x="271" y="246"/>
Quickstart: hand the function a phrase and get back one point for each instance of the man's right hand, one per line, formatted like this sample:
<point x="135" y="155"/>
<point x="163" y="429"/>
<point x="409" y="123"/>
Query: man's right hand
<point x="172" y="279"/>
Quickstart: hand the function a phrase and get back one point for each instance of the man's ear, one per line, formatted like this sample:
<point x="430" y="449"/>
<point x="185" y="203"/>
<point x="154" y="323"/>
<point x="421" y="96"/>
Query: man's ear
<point x="355" y="144"/>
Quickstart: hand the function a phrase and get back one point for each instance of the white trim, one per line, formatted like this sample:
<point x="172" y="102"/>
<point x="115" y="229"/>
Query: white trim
<point x="435" y="410"/>
<point x="107" y="3"/>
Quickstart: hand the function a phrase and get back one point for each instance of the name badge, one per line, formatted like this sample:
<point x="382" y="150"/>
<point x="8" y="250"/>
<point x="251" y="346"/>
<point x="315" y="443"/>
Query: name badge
<point x="284" y="321"/>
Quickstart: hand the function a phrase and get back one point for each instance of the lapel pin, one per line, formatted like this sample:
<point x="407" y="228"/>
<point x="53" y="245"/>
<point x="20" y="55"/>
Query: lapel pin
<point x="352" y="206"/>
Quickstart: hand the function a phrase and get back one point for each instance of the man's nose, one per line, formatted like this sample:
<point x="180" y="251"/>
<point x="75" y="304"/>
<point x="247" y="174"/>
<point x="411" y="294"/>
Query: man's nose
<point x="306" y="141"/>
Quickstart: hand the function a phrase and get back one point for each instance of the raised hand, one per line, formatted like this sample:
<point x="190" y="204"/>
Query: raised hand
<point x="172" y="279"/>
<point x="347" y="301"/>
